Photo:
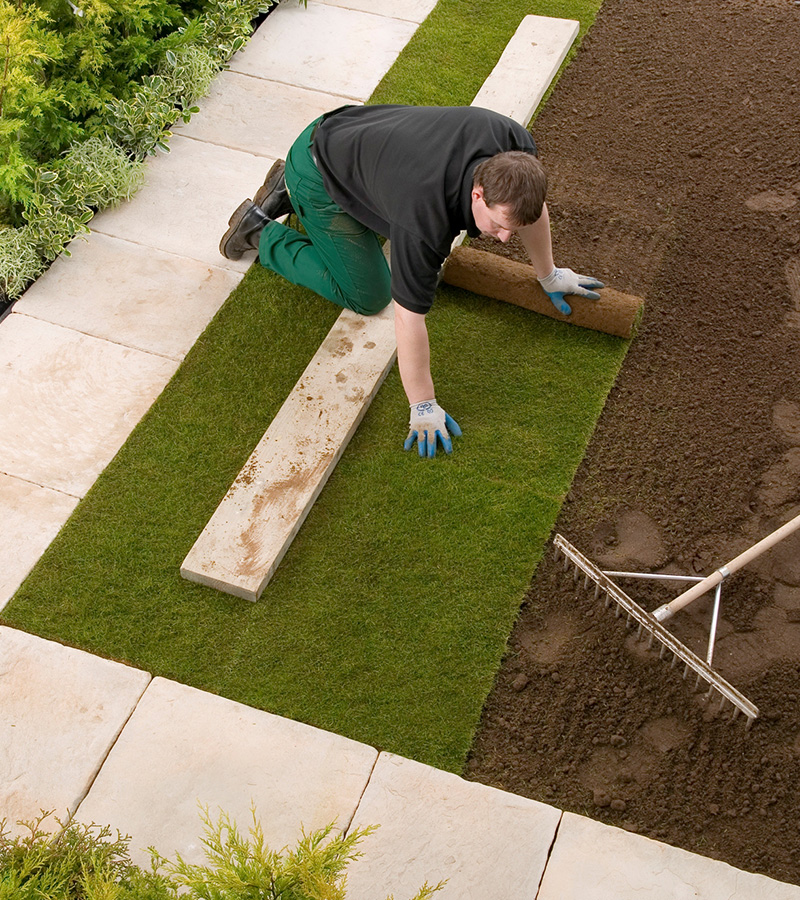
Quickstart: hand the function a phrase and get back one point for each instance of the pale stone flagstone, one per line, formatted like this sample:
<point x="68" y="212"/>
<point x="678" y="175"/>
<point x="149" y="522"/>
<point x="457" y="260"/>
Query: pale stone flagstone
<point x="183" y="747"/>
<point x="528" y="65"/>
<point x="590" y="859"/>
<point x="413" y="10"/>
<point x="262" y="117"/>
<point x="32" y="516"/>
<point x="60" y="712"/>
<point x="69" y="401"/>
<point x="435" y="826"/>
<point x="325" y="48"/>
<point x="248" y="535"/>
<point x="130" y="294"/>
<point x="185" y="205"/>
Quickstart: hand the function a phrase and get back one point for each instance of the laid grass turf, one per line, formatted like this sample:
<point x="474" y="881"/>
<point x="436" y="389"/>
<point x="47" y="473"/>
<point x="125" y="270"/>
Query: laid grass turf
<point x="388" y="617"/>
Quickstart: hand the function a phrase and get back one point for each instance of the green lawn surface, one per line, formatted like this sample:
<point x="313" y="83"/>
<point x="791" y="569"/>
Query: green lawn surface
<point x="388" y="617"/>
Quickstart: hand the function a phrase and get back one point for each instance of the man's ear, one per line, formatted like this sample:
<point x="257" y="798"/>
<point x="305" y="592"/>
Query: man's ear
<point x="477" y="192"/>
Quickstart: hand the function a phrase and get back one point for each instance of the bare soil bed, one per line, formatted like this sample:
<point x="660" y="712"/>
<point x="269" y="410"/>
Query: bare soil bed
<point x="673" y="145"/>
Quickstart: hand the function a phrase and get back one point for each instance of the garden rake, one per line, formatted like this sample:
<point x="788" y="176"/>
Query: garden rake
<point x="649" y="624"/>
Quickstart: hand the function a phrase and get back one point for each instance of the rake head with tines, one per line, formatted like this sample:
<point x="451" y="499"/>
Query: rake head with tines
<point x="649" y="628"/>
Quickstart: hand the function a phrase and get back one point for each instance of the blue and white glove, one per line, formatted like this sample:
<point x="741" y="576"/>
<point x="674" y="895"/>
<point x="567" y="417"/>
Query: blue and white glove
<point x="429" y="423"/>
<point x="565" y="281"/>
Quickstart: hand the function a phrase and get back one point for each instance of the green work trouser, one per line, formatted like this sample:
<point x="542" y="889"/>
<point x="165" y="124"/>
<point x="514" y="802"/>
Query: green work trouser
<point x="338" y="258"/>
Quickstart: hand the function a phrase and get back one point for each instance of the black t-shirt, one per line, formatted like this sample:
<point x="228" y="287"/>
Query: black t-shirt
<point x="406" y="173"/>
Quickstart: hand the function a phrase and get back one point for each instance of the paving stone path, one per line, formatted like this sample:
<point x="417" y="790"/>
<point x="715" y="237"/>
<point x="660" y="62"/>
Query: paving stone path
<point x="80" y="362"/>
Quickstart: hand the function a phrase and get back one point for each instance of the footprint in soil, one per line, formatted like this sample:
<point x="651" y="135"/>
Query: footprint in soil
<point x="619" y="771"/>
<point x="780" y="484"/>
<point x="792" y="271"/>
<point x="774" y="635"/>
<point x="632" y="541"/>
<point x="772" y="201"/>
<point x="786" y="417"/>
<point x="545" y="646"/>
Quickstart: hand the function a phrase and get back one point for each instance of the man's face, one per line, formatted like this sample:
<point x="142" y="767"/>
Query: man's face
<point x="492" y="220"/>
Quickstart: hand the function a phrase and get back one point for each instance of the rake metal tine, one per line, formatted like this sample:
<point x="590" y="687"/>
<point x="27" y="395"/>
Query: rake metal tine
<point x="750" y="720"/>
<point x="638" y="619"/>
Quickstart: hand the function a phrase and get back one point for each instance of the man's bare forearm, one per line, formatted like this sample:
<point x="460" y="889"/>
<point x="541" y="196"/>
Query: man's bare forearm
<point x="538" y="242"/>
<point x="413" y="354"/>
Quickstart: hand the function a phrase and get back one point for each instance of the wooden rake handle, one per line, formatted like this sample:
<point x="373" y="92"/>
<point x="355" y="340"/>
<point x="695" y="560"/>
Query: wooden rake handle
<point x="669" y="609"/>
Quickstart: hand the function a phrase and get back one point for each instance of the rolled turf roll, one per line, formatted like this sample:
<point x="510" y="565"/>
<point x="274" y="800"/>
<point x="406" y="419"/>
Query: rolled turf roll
<point x="515" y="282"/>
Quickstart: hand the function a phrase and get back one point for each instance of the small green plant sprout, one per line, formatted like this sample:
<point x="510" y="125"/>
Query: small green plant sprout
<point x="244" y="868"/>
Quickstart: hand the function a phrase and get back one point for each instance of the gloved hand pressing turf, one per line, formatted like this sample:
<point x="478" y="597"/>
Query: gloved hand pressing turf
<point x="430" y="422"/>
<point x="565" y="281"/>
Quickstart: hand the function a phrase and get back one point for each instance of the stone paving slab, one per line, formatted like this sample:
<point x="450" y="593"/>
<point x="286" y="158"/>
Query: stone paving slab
<point x="257" y="116"/>
<point x="413" y="10"/>
<point x="590" y="859"/>
<point x="68" y="401"/>
<point x="527" y="66"/>
<point x="182" y="747"/>
<point x="32" y="516"/>
<point x="185" y="205"/>
<point x="130" y="294"/>
<point x="323" y="46"/>
<point x="60" y="712"/>
<point x="253" y="526"/>
<point x="434" y="825"/>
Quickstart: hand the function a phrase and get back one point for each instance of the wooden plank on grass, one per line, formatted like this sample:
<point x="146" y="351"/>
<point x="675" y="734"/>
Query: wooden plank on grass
<point x="258" y="518"/>
<point x="255" y="523"/>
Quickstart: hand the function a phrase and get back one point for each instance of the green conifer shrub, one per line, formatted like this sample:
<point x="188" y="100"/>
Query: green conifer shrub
<point x="82" y="862"/>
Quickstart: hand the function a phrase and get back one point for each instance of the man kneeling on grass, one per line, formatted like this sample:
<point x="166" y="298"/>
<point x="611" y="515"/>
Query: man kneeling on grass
<point x="418" y="176"/>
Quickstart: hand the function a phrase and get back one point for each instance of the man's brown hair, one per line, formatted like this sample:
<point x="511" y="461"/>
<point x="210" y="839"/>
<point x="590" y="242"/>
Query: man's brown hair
<point x="514" y="179"/>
